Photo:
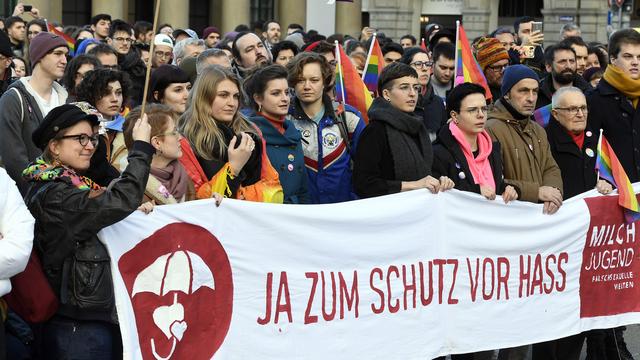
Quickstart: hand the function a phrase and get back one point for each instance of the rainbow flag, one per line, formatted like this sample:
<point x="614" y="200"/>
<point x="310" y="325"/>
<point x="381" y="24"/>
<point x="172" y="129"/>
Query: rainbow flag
<point x="373" y="67"/>
<point x="467" y="68"/>
<point x="609" y="168"/>
<point x="350" y="89"/>
<point x="69" y="40"/>
<point x="542" y="115"/>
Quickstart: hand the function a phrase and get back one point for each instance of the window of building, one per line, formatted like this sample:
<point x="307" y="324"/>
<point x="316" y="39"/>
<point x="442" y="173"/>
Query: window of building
<point x="76" y="12"/>
<point x="518" y="8"/>
<point x="198" y="15"/>
<point x="262" y="10"/>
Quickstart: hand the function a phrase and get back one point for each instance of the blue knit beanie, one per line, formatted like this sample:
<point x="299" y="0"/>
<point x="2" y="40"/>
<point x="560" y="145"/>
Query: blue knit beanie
<point x="515" y="73"/>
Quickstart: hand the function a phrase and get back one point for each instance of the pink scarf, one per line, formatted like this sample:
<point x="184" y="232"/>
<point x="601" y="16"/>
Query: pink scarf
<point x="479" y="166"/>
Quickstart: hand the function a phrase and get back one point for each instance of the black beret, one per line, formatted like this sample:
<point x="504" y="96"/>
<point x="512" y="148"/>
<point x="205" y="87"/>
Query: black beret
<point x="58" y="119"/>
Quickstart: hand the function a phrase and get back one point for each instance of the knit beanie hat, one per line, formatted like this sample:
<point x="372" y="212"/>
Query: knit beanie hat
<point x="490" y="51"/>
<point x="42" y="44"/>
<point x="513" y="74"/>
<point x="297" y="39"/>
<point x="209" y="30"/>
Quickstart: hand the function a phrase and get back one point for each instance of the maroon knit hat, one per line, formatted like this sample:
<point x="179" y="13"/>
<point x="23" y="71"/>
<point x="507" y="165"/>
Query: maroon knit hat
<point x="42" y="43"/>
<point x="211" y="29"/>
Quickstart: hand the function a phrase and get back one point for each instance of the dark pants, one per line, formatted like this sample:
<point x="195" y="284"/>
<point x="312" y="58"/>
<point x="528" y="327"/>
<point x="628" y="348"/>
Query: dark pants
<point x="67" y="339"/>
<point x="606" y="344"/>
<point x="3" y="343"/>
<point x="567" y="348"/>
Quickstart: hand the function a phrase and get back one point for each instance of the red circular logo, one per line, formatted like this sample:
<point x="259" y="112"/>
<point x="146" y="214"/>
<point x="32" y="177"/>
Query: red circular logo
<point x="180" y="283"/>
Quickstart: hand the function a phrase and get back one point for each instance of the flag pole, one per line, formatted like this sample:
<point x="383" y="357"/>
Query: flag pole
<point x="599" y="152"/>
<point x="366" y="63"/>
<point x="338" y="57"/>
<point x="151" y="48"/>
<point x="455" y="70"/>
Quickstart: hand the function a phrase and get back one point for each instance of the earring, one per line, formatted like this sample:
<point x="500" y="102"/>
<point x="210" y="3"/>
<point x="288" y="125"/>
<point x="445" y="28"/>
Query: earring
<point x="56" y="160"/>
<point x="387" y="99"/>
<point x="259" y="107"/>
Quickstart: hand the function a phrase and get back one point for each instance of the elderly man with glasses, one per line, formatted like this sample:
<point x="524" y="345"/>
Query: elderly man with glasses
<point x="493" y="58"/>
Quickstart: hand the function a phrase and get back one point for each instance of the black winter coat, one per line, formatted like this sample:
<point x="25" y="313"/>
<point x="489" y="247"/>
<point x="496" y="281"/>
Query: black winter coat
<point x="547" y="90"/>
<point x="68" y="220"/>
<point x="577" y="165"/>
<point x="448" y="160"/>
<point x="431" y="110"/>
<point x="611" y="111"/>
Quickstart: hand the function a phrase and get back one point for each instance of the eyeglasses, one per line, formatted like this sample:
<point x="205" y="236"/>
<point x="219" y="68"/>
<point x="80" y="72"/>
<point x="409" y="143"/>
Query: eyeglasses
<point x="122" y="39"/>
<point x="406" y="88"/>
<point x="478" y="110"/>
<point x="333" y="63"/>
<point x="111" y="67"/>
<point x="83" y="139"/>
<point x="498" y="68"/>
<point x="419" y="64"/>
<point x="161" y="54"/>
<point x="573" y="110"/>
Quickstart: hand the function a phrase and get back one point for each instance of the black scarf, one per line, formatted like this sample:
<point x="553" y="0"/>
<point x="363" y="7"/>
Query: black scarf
<point x="408" y="140"/>
<point x="516" y="115"/>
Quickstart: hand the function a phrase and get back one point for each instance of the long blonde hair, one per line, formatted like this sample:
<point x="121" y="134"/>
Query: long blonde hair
<point x="197" y="123"/>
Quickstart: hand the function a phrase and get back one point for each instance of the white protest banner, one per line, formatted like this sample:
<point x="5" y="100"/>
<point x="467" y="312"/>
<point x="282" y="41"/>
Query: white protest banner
<point x="407" y="276"/>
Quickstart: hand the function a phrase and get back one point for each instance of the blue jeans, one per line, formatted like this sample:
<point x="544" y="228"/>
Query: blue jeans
<point x="67" y="339"/>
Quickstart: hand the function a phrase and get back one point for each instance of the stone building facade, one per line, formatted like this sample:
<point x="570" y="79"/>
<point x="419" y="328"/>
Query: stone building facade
<point x="393" y="17"/>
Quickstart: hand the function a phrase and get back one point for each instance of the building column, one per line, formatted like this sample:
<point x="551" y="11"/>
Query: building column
<point x="215" y="14"/>
<point x="50" y="10"/>
<point x="479" y="17"/>
<point x="393" y="18"/>
<point x="115" y="8"/>
<point x="291" y="12"/>
<point x="234" y="13"/>
<point x="349" y="18"/>
<point x="175" y="13"/>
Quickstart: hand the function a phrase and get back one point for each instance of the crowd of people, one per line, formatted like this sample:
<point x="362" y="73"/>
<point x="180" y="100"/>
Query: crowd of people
<point x="251" y="114"/>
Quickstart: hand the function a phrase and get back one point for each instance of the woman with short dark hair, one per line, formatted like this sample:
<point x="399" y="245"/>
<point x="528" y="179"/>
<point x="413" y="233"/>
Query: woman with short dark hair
<point x="394" y="153"/>
<point x="464" y="150"/>
<point x="75" y="72"/>
<point x="268" y="91"/>
<point x="170" y="86"/>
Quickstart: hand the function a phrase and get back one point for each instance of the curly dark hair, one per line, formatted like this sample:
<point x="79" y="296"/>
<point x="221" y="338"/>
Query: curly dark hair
<point x="94" y="85"/>
<point x="296" y="66"/>
<point x="69" y="77"/>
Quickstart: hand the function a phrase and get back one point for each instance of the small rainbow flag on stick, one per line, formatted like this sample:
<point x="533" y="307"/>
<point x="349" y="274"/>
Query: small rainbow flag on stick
<point x="350" y="88"/>
<point x="70" y="42"/>
<point x="610" y="169"/>
<point x="542" y="115"/>
<point x="467" y="68"/>
<point x="373" y="67"/>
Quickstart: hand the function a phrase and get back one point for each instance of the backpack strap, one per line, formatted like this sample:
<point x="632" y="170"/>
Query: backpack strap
<point x="21" y="104"/>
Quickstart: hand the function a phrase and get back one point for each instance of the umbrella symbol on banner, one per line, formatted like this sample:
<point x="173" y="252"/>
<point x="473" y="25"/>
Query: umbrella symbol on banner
<point x="182" y="271"/>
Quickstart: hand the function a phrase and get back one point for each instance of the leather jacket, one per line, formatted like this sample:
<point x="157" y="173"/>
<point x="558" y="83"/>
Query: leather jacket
<point x="68" y="219"/>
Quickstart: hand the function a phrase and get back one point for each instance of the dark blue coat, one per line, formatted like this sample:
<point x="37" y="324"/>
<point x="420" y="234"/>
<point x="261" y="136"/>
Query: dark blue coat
<point x="286" y="156"/>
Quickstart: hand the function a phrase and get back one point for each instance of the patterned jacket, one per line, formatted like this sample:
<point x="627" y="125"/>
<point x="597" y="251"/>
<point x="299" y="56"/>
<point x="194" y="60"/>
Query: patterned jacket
<point x="327" y="156"/>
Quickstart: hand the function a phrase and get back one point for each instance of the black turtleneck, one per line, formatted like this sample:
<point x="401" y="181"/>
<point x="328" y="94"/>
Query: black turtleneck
<point x="516" y="115"/>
